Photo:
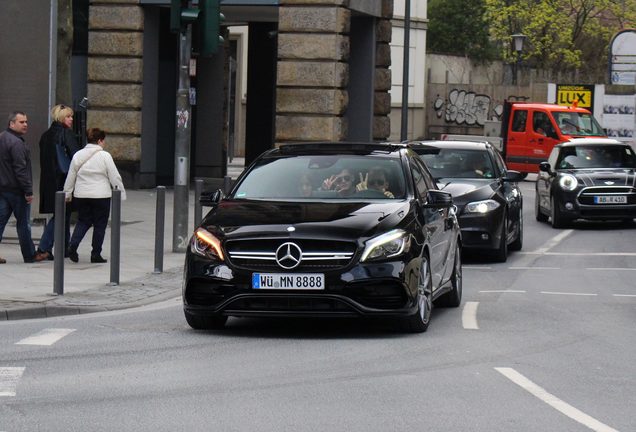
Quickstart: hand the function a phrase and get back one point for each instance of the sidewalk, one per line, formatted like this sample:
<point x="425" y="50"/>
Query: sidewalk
<point x="26" y="290"/>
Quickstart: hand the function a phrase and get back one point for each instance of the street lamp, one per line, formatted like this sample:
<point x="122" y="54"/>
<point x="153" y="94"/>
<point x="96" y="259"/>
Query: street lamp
<point x="517" y="41"/>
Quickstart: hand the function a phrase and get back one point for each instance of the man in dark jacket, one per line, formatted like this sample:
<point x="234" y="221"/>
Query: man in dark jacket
<point x="16" y="183"/>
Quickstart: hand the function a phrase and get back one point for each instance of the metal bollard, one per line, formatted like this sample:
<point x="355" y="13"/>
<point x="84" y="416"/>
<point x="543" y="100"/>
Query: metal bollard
<point x="59" y="239"/>
<point x="159" y="228"/>
<point x="227" y="184"/>
<point x="115" y="229"/>
<point x="198" y="208"/>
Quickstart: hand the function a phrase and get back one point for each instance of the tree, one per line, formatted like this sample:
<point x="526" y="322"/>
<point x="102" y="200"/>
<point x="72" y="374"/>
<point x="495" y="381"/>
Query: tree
<point x="458" y="27"/>
<point x="563" y="35"/>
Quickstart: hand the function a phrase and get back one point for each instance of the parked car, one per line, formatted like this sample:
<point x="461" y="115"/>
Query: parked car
<point x="587" y="178"/>
<point x="326" y="230"/>
<point x="488" y="199"/>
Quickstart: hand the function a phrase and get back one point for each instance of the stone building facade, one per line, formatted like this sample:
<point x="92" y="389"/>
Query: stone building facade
<point x="314" y="83"/>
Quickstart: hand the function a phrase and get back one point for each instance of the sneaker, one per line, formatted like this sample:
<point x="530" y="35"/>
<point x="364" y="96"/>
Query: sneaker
<point x="98" y="259"/>
<point x="3" y="261"/>
<point x="73" y="256"/>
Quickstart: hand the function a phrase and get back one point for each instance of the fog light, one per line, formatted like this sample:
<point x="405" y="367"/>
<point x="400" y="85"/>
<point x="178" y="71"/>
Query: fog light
<point x="484" y="236"/>
<point x="569" y="206"/>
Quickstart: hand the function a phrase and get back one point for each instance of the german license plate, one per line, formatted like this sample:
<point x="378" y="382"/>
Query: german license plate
<point x="301" y="281"/>
<point x="610" y="199"/>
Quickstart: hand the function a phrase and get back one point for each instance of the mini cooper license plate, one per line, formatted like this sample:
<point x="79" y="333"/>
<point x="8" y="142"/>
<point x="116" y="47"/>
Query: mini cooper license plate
<point x="610" y="199"/>
<point x="301" y="281"/>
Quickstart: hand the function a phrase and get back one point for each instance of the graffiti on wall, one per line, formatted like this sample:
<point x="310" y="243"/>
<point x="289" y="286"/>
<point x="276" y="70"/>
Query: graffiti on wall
<point x="469" y="108"/>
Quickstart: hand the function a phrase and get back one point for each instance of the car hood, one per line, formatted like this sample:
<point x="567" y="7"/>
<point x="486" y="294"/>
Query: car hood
<point x="341" y="221"/>
<point x="605" y="176"/>
<point x="468" y="190"/>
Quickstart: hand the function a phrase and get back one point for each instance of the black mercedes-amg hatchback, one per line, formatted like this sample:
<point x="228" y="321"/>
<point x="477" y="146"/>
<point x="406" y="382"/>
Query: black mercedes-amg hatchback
<point x="326" y="230"/>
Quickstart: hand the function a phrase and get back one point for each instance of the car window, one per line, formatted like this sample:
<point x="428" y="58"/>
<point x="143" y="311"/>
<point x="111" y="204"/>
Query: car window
<point x="552" y="159"/>
<point x="308" y="177"/>
<point x="542" y="125"/>
<point x="418" y="177"/>
<point x="519" y="121"/>
<point x="499" y="162"/>
<point x="600" y="156"/>
<point x="457" y="163"/>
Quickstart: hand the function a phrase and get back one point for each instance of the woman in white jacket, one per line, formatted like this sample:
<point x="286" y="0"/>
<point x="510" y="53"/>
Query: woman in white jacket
<point x="91" y="178"/>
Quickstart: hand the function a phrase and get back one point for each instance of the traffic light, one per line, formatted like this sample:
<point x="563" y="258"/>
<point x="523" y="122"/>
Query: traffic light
<point x="210" y="21"/>
<point x="181" y="15"/>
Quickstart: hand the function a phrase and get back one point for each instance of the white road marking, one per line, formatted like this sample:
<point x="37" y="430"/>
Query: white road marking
<point x="9" y="377"/>
<point x="46" y="337"/>
<point x="534" y="268"/>
<point x="611" y="268"/>
<point x="553" y="241"/>
<point x="624" y="295"/>
<point x="503" y="291"/>
<point x="469" y="316"/>
<point x="477" y="267"/>
<point x="553" y="401"/>
<point x="540" y="252"/>
<point x="567" y="294"/>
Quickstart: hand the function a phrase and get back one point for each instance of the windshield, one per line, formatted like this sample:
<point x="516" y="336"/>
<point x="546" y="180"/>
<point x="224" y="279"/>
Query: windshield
<point x="323" y="177"/>
<point x="578" y="124"/>
<point x="457" y="163"/>
<point x="599" y="156"/>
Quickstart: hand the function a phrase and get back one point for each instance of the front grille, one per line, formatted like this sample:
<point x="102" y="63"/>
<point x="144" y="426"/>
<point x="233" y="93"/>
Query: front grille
<point x="317" y="255"/>
<point x="286" y="304"/>
<point x="586" y="196"/>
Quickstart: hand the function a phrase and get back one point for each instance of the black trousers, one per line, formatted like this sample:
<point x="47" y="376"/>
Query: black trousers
<point x="91" y="212"/>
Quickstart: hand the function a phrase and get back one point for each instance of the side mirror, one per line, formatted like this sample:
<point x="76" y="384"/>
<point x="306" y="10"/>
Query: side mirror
<point x="210" y="199"/>
<point x="545" y="167"/>
<point x="513" y="176"/>
<point x="438" y="199"/>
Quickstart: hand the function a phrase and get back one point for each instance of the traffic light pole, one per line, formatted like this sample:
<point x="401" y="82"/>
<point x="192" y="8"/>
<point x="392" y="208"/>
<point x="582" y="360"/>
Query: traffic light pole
<point x="181" y="206"/>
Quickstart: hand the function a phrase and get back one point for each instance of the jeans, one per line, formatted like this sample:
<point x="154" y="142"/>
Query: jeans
<point x="48" y="236"/>
<point x="11" y="202"/>
<point x="91" y="212"/>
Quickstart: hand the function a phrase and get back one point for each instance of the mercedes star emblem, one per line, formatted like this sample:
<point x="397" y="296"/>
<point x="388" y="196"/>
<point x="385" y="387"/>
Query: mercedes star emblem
<point x="288" y="255"/>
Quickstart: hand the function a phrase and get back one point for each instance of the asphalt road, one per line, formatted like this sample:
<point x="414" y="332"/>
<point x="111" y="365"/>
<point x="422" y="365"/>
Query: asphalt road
<point x="543" y="342"/>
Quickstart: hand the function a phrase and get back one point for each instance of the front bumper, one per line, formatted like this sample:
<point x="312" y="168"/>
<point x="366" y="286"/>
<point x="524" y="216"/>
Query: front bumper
<point x="580" y="206"/>
<point x="380" y="289"/>
<point x="481" y="231"/>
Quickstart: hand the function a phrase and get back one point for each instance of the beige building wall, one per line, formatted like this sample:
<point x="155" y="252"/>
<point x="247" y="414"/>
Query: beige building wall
<point x="115" y="75"/>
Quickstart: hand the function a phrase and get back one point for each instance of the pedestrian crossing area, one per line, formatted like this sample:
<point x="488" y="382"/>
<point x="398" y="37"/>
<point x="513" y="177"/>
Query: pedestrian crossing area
<point x="10" y="375"/>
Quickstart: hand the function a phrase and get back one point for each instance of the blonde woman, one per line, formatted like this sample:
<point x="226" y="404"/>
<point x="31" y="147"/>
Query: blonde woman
<point x="57" y="147"/>
<point x="91" y="178"/>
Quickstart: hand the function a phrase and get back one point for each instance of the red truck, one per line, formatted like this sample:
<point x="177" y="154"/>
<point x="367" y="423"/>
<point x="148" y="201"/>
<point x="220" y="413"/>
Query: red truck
<point x="530" y="131"/>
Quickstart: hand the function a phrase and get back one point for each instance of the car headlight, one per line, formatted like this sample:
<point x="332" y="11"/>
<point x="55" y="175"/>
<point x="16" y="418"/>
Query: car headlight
<point x="568" y="182"/>
<point x="484" y="206"/>
<point x="387" y="245"/>
<point x="205" y="244"/>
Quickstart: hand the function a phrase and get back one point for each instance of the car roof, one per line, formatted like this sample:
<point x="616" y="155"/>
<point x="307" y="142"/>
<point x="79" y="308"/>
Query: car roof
<point x="550" y="107"/>
<point x="331" y="147"/>
<point x="590" y="141"/>
<point x="451" y="144"/>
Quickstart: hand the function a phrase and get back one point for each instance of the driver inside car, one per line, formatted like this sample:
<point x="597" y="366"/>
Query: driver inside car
<point x="375" y="179"/>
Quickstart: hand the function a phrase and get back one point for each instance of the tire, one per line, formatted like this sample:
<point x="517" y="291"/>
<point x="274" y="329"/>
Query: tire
<point x="537" y="210"/>
<point x="199" y="322"/>
<point x="518" y="243"/>
<point x="453" y="298"/>
<point x="524" y="175"/>
<point x="501" y="253"/>
<point x="557" y="218"/>
<point x="418" y="322"/>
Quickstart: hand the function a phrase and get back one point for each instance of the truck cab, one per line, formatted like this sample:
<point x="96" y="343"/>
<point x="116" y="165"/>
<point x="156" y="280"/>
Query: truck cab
<point x="531" y="130"/>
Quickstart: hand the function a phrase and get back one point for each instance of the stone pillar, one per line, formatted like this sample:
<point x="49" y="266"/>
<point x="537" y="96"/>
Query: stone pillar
<point x="115" y="75"/>
<point x="382" y="99"/>
<point x="312" y="73"/>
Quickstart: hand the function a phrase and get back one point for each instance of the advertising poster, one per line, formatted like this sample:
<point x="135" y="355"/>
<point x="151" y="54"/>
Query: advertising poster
<point x="619" y="118"/>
